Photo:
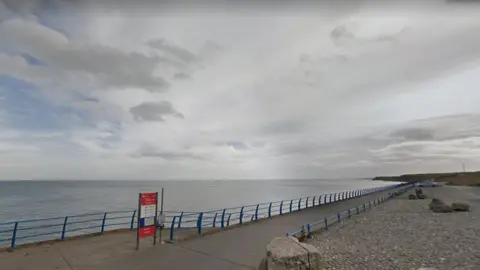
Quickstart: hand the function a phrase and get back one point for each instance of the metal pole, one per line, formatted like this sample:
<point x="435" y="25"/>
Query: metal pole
<point x="138" y="221"/>
<point x="156" y="220"/>
<point x="161" y="214"/>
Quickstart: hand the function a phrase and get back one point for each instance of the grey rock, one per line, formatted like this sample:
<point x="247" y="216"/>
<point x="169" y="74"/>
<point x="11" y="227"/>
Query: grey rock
<point x="288" y="253"/>
<point x="412" y="197"/>
<point x="441" y="208"/>
<point x="461" y="207"/>
<point x="435" y="202"/>
<point x="421" y="196"/>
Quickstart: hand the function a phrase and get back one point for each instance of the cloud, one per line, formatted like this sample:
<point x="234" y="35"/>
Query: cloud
<point x="154" y="111"/>
<point x="416" y="134"/>
<point x="95" y="65"/>
<point x="182" y="76"/>
<point x="237" y="145"/>
<point x="151" y="151"/>
<point x="173" y="50"/>
<point x="335" y="89"/>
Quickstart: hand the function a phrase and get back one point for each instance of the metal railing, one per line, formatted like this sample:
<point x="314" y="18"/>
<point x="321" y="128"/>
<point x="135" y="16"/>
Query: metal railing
<point x="307" y="229"/>
<point x="60" y="228"/>
<point x="227" y="217"/>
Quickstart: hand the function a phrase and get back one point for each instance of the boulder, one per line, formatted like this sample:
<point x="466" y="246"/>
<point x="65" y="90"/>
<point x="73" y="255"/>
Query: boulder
<point x="435" y="202"/>
<point x="461" y="207"/>
<point x="441" y="208"/>
<point x="288" y="253"/>
<point x="412" y="197"/>
<point x="421" y="196"/>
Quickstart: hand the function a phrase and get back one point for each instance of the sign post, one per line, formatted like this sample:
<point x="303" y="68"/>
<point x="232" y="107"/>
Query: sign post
<point x="162" y="218"/>
<point x="147" y="216"/>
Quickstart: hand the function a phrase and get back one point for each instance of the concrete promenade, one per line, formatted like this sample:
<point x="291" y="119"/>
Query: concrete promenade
<point x="242" y="247"/>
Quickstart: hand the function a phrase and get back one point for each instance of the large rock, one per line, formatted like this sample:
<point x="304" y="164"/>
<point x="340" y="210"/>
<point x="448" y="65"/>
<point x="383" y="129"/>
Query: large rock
<point x="435" y="202"/>
<point x="460" y="207"/>
<point x="412" y="197"/>
<point x="421" y="196"/>
<point x="287" y="253"/>
<point x="441" y="208"/>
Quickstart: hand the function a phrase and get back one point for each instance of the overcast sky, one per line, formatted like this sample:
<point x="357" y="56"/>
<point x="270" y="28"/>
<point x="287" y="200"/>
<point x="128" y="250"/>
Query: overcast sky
<point x="135" y="90"/>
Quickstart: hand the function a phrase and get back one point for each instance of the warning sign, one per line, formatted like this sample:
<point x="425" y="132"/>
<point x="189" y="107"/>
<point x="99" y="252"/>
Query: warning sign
<point x="147" y="210"/>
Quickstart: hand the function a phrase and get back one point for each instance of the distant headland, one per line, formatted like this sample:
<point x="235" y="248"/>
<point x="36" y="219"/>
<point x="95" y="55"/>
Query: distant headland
<point x="454" y="179"/>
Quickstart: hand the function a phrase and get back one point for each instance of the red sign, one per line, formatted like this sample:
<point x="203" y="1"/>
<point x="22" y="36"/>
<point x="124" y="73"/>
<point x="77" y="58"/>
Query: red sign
<point x="148" y="198"/>
<point x="147" y="231"/>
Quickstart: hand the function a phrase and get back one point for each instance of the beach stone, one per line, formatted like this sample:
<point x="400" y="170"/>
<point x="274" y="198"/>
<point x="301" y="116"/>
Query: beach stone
<point x="288" y="253"/>
<point x="441" y="208"/>
<point x="412" y="197"/>
<point x="461" y="207"/>
<point x="435" y="202"/>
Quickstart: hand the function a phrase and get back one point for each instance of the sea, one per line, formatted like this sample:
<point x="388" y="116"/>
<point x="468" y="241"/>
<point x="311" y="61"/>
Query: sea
<point x="21" y="200"/>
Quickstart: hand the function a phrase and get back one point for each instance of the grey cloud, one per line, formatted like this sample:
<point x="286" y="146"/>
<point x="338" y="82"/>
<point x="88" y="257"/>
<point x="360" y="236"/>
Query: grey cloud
<point x="150" y="151"/>
<point x="283" y="127"/>
<point x="92" y="64"/>
<point x="182" y="76"/>
<point x="238" y="145"/>
<point x="173" y="50"/>
<point x="154" y="111"/>
<point x="417" y="134"/>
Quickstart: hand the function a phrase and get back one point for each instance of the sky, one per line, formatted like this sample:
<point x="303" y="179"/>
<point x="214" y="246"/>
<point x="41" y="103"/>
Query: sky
<point x="149" y="90"/>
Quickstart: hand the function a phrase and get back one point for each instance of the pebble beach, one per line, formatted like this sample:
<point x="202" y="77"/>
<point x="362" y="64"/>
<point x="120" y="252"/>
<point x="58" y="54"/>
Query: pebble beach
<point x="406" y="234"/>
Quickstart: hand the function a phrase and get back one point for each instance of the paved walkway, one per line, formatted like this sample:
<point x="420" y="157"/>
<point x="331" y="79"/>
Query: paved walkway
<point x="242" y="247"/>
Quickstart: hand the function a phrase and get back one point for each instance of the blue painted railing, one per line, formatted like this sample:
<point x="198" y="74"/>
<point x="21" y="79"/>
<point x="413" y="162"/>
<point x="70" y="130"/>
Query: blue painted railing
<point x="226" y="217"/>
<point x="59" y="228"/>
<point x="326" y="222"/>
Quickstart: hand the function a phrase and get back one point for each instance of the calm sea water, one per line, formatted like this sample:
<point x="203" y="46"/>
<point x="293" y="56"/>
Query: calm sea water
<point x="35" y="199"/>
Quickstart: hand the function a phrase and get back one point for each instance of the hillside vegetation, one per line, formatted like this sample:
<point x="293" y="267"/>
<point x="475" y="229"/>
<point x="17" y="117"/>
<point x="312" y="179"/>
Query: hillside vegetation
<point x="456" y="179"/>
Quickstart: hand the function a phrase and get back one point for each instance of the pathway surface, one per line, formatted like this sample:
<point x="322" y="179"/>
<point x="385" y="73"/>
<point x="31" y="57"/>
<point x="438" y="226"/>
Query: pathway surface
<point x="241" y="247"/>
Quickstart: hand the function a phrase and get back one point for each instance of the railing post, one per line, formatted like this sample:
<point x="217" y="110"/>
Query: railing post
<point x="133" y="220"/>
<point x="314" y="197"/>
<point x="326" y="224"/>
<point x="228" y="220"/>
<point x="223" y="219"/>
<point x="256" y="212"/>
<point x="325" y="199"/>
<point x="270" y="210"/>
<point x="299" y="203"/>
<point x="199" y="223"/>
<point x="172" y="228"/>
<point x="64" y="227"/>
<point x="180" y="220"/>
<point x="291" y="203"/>
<point x="306" y="203"/>
<point x="281" y="208"/>
<point x="330" y="199"/>
<point x="215" y="220"/>
<point x="14" y="236"/>
<point x="103" y="222"/>
<point x="240" y="218"/>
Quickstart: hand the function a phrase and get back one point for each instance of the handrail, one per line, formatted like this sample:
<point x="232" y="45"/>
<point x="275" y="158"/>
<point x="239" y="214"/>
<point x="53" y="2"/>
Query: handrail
<point x="307" y="229"/>
<point x="249" y="213"/>
<point x="41" y="229"/>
